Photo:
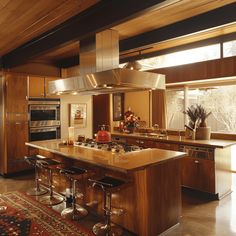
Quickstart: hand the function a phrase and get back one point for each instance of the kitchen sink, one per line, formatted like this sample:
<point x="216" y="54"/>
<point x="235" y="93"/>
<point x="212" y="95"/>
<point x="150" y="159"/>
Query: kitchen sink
<point x="153" y="135"/>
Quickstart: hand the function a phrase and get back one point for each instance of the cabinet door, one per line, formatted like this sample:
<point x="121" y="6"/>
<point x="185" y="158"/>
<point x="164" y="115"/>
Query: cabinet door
<point x="167" y="146"/>
<point x="36" y="87"/>
<point x="16" y="94"/>
<point x="47" y="79"/>
<point x="17" y="135"/>
<point x="140" y="142"/>
<point x="198" y="174"/>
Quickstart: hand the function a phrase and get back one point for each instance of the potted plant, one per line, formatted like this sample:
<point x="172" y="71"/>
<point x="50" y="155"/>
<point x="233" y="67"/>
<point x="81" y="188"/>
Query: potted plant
<point x="197" y="115"/>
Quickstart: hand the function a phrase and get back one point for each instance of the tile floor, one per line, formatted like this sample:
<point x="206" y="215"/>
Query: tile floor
<point x="200" y="216"/>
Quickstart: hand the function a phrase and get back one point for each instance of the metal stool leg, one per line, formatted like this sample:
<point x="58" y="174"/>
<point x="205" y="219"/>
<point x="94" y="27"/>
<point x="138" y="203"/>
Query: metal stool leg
<point x="36" y="191"/>
<point x="3" y="209"/>
<point x="51" y="199"/>
<point x="107" y="228"/>
<point x="75" y="212"/>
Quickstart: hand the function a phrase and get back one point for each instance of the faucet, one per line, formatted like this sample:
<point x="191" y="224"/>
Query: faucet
<point x="155" y="128"/>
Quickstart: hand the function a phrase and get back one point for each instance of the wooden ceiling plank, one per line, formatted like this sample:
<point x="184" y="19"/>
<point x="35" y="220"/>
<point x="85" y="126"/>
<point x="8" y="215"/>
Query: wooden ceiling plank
<point x="211" y="19"/>
<point x="34" y="18"/>
<point x="86" y="24"/>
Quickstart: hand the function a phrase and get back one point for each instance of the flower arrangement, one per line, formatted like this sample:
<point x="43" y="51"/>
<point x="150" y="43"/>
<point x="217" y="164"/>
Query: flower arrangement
<point x="130" y="120"/>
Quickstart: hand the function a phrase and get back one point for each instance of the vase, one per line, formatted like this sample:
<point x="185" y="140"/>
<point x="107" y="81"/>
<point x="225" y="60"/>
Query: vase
<point x="203" y="133"/>
<point x="130" y="129"/>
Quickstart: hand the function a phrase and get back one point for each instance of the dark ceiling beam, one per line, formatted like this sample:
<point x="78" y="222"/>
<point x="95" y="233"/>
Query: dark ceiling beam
<point x="103" y="15"/>
<point x="211" y="19"/>
<point x="68" y="62"/>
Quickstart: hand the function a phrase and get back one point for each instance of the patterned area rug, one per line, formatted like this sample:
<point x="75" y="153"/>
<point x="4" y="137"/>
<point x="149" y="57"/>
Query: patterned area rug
<point x="27" y="217"/>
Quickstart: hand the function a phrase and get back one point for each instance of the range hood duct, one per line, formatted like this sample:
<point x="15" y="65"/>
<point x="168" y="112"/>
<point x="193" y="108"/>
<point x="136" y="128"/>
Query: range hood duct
<point x="100" y="72"/>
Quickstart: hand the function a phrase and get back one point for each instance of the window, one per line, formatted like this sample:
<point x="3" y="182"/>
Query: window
<point x="229" y="49"/>
<point x="175" y="108"/>
<point x="220" y="100"/>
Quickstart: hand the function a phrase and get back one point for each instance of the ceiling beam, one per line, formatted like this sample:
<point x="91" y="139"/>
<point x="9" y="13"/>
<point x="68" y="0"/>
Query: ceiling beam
<point x="101" y="16"/>
<point x="211" y="19"/>
<point x="218" y="17"/>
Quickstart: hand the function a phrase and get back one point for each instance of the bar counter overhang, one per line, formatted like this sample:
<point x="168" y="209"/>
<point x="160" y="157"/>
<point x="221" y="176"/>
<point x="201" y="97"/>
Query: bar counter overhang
<point x="152" y="200"/>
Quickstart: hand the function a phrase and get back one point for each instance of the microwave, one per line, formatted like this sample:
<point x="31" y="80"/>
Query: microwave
<point x="44" y="114"/>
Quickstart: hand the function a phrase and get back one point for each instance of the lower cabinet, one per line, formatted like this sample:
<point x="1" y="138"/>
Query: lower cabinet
<point x="17" y="135"/>
<point x="198" y="174"/>
<point x="140" y="142"/>
<point x="166" y="146"/>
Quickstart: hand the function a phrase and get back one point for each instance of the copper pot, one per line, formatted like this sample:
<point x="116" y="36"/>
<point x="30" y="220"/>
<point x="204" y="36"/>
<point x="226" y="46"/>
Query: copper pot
<point x="103" y="136"/>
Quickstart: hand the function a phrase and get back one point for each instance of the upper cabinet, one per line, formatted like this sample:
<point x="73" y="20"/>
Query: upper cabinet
<point x="16" y="93"/>
<point x="38" y="87"/>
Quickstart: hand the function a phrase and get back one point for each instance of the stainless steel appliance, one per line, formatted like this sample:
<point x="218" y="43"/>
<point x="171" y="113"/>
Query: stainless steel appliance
<point x="101" y="74"/>
<point x="44" y="119"/>
<point x="111" y="147"/>
<point x="198" y="152"/>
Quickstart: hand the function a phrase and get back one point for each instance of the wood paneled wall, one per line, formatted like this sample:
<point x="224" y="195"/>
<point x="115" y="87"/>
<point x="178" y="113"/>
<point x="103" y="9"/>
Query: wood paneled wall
<point x="199" y="71"/>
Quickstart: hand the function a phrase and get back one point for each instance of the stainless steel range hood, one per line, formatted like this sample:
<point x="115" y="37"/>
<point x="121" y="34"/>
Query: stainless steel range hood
<point x="99" y="62"/>
<point x="110" y="81"/>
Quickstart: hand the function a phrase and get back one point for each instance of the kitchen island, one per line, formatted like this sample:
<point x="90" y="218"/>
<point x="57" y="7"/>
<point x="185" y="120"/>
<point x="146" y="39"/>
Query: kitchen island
<point x="151" y="200"/>
<point x="206" y="167"/>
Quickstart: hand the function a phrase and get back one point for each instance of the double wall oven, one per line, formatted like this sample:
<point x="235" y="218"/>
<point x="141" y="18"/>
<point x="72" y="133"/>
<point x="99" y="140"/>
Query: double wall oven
<point x="44" y="120"/>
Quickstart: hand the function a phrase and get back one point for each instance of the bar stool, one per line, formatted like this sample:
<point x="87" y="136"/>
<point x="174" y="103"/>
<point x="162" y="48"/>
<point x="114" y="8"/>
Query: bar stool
<point x="36" y="191"/>
<point x="75" y="212"/>
<point x="51" y="199"/>
<point x="3" y="209"/>
<point x="108" y="186"/>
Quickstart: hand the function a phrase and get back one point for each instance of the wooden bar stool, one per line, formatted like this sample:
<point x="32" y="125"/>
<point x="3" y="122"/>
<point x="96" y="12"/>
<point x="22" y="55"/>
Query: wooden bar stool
<point x="74" y="174"/>
<point x="51" y="199"/>
<point x="37" y="190"/>
<point x="108" y="185"/>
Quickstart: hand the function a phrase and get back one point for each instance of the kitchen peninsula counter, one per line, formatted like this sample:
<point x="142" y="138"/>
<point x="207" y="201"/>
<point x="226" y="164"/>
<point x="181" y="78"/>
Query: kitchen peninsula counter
<point x="212" y="143"/>
<point x="152" y="197"/>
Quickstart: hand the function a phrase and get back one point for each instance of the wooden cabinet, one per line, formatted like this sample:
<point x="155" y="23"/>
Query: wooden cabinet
<point x="16" y="136"/>
<point x="198" y="174"/>
<point x="166" y="146"/>
<point x="16" y="123"/>
<point x="38" y="87"/>
<point x="140" y="142"/>
<point x="16" y="94"/>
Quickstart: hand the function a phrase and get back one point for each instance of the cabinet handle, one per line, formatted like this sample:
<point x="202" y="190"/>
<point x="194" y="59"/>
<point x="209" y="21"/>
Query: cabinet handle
<point x="17" y="123"/>
<point x="142" y="142"/>
<point x="197" y="162"/>
<point x="137" y="141"/>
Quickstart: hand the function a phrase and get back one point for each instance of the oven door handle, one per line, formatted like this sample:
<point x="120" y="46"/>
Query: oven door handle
<point x="40" y="130"/>
<point x="47" y="107"/>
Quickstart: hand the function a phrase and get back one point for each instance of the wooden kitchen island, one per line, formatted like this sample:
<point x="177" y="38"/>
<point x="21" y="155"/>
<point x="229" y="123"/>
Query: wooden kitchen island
<point x="152" y="197"/>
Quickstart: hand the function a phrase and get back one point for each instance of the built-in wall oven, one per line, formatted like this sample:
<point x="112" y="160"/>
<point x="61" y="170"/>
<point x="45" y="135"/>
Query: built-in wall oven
<point x="44" y="119"/>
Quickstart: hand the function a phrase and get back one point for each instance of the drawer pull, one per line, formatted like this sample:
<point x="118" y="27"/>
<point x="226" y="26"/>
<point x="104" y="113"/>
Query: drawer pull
<point x="137" y="141"/>
<point x="197" y="162"/>
<point x="142" y="142"/>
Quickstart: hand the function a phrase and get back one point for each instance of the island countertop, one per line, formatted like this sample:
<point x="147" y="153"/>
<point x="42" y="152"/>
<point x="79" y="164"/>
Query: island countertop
<point x="212" y="143"/>
<point x="124" y="162"/>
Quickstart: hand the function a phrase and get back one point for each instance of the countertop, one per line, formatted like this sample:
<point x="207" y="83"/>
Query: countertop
<point x="213" y="143"/>
<point x="125" y="162"/>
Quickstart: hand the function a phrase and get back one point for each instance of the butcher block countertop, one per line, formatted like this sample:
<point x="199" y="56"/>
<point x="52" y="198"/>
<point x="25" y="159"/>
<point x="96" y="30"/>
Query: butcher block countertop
<point x="125" y="162"/>
<point x="214" y="143"/>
